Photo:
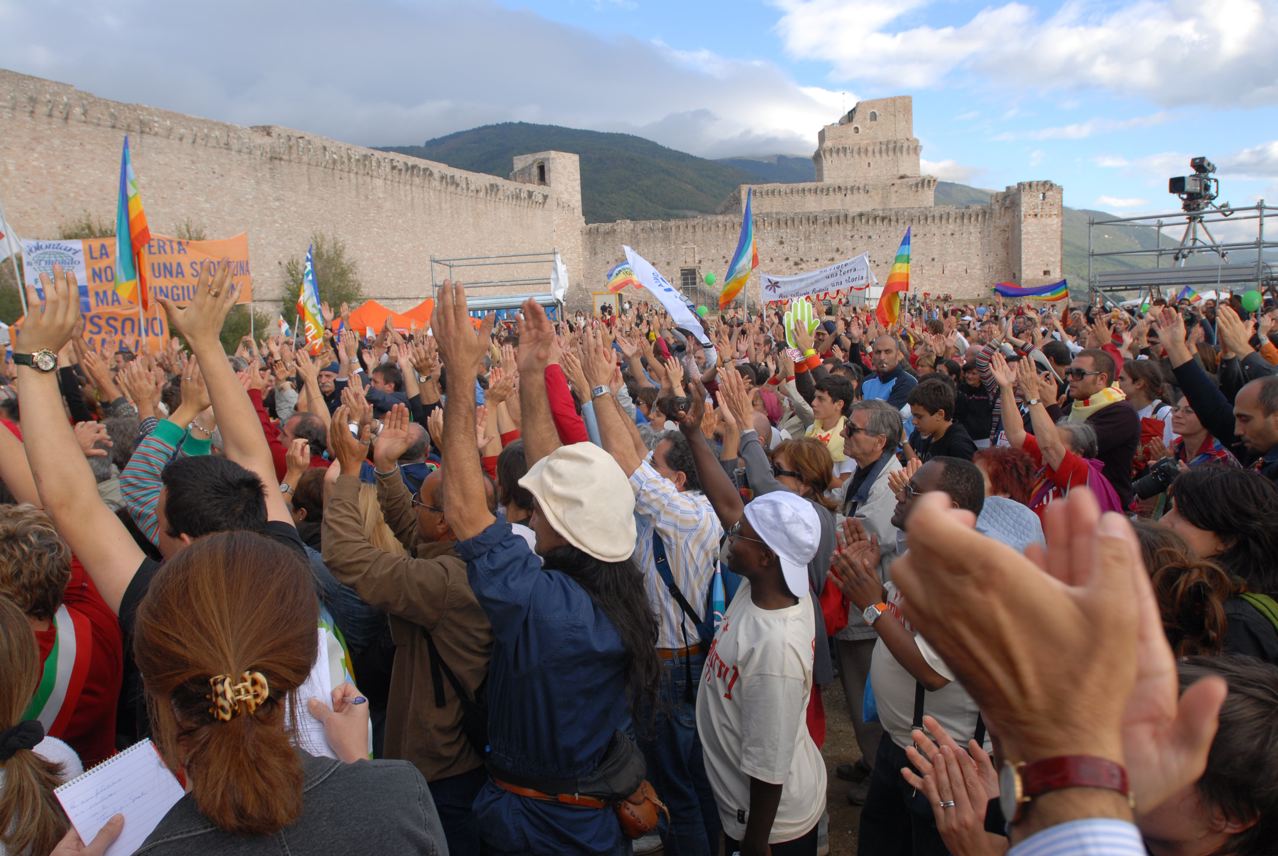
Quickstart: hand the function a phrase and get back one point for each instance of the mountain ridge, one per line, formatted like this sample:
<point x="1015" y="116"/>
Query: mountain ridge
<point x="676" y="184"/>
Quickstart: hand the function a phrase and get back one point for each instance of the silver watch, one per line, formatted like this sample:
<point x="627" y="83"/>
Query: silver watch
<point x="871" y="613"/>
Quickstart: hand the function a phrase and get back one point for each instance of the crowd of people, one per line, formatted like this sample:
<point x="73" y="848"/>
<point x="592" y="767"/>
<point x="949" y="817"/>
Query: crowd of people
<point x="582" y="583"/>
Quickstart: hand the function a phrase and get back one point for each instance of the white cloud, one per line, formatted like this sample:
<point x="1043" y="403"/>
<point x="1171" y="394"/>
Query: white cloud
<point x="1083" y="130"/>
<point x="399" y="73"/>
<point x="1110" y="161"/>
<point x="1255" y="162"/>
<point x="1036" y="157"/>
<point x="1168" y="51"/>
<point x="949" y="170"/>
<point x="1120" y="202"/>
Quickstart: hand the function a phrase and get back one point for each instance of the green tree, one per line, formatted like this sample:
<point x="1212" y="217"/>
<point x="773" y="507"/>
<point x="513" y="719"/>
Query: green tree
<point x="336" y="275"/>
<point x="188" y="231"/>
<point x="10" y="299"/>
<point x="237" y="326"/>
<point x="86" y="226"/>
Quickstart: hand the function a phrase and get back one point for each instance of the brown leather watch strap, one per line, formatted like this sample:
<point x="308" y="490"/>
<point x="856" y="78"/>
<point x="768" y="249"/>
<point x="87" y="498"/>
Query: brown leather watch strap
<point x="1072" y="771"/>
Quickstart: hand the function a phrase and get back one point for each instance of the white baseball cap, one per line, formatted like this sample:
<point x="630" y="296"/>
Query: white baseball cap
<point x="585" y="496"/>
<point x="789" y="525"/>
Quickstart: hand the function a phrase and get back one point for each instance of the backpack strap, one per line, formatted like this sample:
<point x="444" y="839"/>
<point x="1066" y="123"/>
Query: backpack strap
<point x="663" y="568"/>
<point x="1265" y="605"/>
<point x="920" y="694"/>
<point x="438" y="666"/>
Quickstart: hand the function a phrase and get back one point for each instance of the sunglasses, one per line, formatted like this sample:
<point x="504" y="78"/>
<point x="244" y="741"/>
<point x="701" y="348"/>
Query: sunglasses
<point x="417" y="503"/>
<point x="734" y="531"/>
<point x="1078" y="374"/>
<point x="910" y="490"/>
<point x="777" y="472"/>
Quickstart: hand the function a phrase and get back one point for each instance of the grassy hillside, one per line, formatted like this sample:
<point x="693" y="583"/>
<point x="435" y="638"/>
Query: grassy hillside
<point x="624" y="177"/>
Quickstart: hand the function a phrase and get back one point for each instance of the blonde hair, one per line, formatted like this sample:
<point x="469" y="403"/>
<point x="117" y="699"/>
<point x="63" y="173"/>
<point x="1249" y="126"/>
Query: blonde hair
<point x="35" y="563"/>
<point x="31" y="820"/>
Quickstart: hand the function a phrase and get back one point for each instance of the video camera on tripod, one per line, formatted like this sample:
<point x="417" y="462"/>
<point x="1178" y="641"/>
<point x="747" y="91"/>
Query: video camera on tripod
<point x="1198" y="191"/>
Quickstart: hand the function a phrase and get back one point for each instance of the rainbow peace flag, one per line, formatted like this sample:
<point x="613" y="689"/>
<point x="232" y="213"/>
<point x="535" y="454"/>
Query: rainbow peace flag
<point x="1189" y="294"/>
<point x="620" y="276"/>
<point x="1054" y="291"/>
<point x="285" y="330"/>
<point x="898" y="281"/>
<point x="744" y="260"/>
<point x="131" y="235"/>
<point x="308" y="307"/>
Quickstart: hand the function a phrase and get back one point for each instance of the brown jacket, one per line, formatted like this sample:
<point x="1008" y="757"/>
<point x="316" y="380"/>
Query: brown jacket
<point x="430" y="591"/>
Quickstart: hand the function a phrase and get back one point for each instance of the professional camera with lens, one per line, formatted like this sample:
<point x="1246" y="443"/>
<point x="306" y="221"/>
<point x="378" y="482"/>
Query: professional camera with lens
<point x="1157" y="478"/>
<point x="1199" y="190"/>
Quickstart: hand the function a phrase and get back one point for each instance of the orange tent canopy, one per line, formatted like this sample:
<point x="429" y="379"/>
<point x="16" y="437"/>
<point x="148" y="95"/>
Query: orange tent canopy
<point x="371" y="314"/>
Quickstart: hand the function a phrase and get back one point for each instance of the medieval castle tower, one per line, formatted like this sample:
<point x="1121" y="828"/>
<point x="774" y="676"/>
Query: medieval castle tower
<point x="60" y="150"/>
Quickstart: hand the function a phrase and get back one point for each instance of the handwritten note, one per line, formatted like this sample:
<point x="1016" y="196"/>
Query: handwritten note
<point x="134" y="783"/>
<point x="319" y="685"/>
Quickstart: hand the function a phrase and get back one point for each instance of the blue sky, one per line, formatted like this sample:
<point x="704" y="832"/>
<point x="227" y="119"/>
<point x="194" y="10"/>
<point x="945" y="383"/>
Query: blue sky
<point x="1107" y="98"/>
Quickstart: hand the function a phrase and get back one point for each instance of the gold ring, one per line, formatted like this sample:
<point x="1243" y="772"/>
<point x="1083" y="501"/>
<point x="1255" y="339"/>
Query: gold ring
<point x="213" y="292"/>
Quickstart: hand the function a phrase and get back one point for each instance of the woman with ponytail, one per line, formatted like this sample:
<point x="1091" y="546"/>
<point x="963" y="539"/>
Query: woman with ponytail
<point x="1193" y="593"/>
<point x="224" y="639"/>
<point x="31" y="765"/>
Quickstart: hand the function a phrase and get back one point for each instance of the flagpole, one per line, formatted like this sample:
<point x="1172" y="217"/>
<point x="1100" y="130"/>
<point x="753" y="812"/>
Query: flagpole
<point x="252" y="320"/>
<point x="13" y="257"/>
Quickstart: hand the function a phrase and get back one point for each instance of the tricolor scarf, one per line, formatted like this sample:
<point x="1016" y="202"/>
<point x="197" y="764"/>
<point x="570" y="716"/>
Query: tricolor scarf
<point x="1084" y="409"/>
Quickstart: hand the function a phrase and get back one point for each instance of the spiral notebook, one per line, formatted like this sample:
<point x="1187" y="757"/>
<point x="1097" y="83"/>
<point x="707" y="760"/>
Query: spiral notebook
<point x="134" y="783"/>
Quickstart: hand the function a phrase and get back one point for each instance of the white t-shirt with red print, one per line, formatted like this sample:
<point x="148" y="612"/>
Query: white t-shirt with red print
<point x="752" y="716"/>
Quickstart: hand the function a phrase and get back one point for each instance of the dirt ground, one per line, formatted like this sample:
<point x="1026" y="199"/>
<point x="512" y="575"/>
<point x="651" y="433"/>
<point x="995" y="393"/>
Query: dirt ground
<point x="840" y="748"/>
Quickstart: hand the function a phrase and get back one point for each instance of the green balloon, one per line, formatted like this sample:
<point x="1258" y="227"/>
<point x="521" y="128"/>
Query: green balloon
<point x="1251" y="301"/>
<point x="709" y="279"/>
<point x="703" y="311"/>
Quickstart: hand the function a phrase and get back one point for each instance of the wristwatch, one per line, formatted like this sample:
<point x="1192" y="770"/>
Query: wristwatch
<point x="1030" y="402"/>
<point x="1018" y="784"/>
<point x="422" y="378"/>
<point x="285" y="487"/>
<point x="42" y="360"/>
<point x="598" y="391"/>
<point x="872" y="612"/>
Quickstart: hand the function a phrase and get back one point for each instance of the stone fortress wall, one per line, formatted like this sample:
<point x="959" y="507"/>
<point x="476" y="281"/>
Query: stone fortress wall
<point x="60" y="154"/>
<point x="60" y="158"/>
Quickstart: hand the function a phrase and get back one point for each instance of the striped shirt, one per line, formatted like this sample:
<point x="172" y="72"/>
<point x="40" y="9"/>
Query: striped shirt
<point x="1095" y="836"/>
<point x="140" y="482"/>
<point x="690" y="531"/>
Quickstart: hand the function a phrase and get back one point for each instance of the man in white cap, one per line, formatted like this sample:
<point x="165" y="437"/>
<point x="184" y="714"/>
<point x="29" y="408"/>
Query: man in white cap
<point x="574" y="641"/>
<point x="766" y="772"/>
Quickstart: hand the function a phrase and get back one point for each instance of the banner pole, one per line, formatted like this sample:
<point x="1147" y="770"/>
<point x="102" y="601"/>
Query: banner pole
<point x="142" y="331"/>
<point x="252" y="321"/>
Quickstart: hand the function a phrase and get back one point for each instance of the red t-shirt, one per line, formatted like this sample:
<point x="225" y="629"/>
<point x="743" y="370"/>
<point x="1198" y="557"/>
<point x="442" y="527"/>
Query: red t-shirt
<point x="1052" y="484"/>
<point x="91" y="728"/>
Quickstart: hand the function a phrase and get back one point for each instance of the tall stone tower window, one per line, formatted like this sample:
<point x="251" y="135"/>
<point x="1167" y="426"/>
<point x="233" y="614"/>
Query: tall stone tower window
<point x="1042" y="197"/>
<point x="856" y="129"/>
<point x="874" y="115"/>
<point x="541" y="173"/>
<point x="687" y="279"/>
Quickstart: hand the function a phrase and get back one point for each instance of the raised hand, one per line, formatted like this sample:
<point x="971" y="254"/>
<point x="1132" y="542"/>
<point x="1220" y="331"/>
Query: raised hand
<point x="435" y="427"/>
<point x="1004" y="374"/>
<point x="538" y="347"/>
<point x="349" y="451"/>
<point x="959" y="787"/>
<point x="1235" y="337"/>
<point x="297" y="459"/>
<point x="201" y="320"/>
<point x="393" y="440"/>
<point x="355" y="400"/>
<point x="856" y="572"/>
<point x="572" y="367"/>
<point x="50" y="324"/>
<point x="732" y="393"/>
<point x="501" y="386"/>
<point x="195" y="395"/>
<point x="93" y="439"/>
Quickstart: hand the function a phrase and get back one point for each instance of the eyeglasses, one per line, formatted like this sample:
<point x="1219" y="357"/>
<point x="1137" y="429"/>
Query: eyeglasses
<point x="1078" y="374"/>
<point x="417" y="503"/>
<point x="734" y="531"/>
<point x="777" y="472"/>
<point x="910" y="490"/>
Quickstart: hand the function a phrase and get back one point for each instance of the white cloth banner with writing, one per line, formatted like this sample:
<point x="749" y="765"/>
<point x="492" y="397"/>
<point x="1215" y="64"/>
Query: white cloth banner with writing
<point x="854" y="274"/>
<point x="669" y="297"/>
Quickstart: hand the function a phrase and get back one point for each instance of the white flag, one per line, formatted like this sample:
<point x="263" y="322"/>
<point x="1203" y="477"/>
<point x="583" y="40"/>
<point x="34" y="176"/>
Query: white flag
<point x="669" y="297"/>
<point x="559" y="279"/>
<point x="8" y="241"/>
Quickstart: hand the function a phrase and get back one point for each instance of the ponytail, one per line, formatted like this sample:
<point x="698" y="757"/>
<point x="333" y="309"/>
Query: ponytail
<point x="230" y="604"/>
<point x="31" y="820"/>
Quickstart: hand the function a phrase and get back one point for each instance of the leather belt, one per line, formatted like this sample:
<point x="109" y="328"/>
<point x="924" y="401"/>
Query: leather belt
<point x="566" y="799"/>
<point x="674" y="653"/>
